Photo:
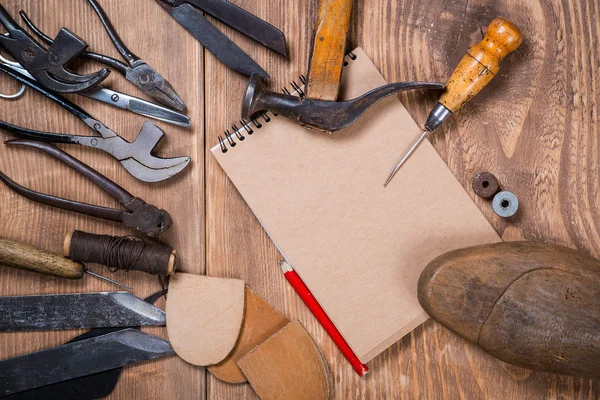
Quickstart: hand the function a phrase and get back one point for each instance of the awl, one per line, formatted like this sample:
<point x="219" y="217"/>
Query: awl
<point x="81" y="310"/>
<point x="29" y="258"/>
<point x="476" y="69"/>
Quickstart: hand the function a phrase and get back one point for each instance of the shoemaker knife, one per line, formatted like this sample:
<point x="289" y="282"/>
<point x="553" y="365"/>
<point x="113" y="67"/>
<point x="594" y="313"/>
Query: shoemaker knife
<point x="81" y="310"/>
<point x="83" y="358"/>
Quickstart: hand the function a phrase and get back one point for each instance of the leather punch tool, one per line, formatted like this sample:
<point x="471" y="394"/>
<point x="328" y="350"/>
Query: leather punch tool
<point x="136" y="157"/>
<point x="134" y="69"/>
<point x="48" y="65"/>
<point x="143" y="217"/>
<point x="189" y="15"/>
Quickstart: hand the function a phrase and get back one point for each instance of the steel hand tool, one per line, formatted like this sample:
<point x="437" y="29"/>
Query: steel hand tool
<point x="78" y="359"/>
<point x="473" y="73"/>
<point x="81" y="310"/>
<point x="328" y="116"/>
<point x="134" y="69"/>
<point x="91" y="387"/>
<point x="329" y="48"/>
<point x="29" y="258"/>
<point x="48" y="66"/>
<point x="114" y="98"/>
<point x="145" y="218"/>
<point x="136" y="157"/>
<point x="189" y="14"/>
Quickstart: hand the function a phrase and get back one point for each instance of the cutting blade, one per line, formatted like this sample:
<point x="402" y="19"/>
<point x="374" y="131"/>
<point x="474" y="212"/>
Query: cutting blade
<point x="137" y="105"/>
<point x="242" y="21"/>
<point x="83" y="358"/>
<point x="86" y="310"/>
<point x="213" y="39"/>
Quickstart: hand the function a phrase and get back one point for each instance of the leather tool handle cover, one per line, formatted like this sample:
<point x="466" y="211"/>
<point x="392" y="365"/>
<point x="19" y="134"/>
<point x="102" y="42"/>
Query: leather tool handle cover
<point x="29" y="258"/>
<point x="329" y="48"/>
<point x="481" y="63"/>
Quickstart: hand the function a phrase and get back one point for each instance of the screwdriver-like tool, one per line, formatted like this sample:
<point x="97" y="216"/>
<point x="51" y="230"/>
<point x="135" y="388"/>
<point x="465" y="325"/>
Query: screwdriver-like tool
<point x="29" y="258"/>
<point x="476" y="69"/>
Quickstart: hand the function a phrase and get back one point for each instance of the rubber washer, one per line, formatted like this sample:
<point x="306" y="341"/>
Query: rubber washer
<point x="485" y="185"/>
<point x="505" y="204"/>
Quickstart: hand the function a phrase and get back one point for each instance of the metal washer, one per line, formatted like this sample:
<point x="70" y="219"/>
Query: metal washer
<point x="505" y="204"/>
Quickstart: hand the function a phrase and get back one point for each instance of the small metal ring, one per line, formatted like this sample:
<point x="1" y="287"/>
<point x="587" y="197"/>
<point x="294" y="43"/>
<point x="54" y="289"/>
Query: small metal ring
<point x="14" y="96"/>
<point x="23" y="87"/>
<point x="505" y="204"/>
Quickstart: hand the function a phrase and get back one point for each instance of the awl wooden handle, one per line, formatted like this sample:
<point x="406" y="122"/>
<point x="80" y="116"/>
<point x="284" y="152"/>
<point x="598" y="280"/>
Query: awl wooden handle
<point x="329" y="48"/>
<point x="481" y="63"/>
<point x="22" y="256"/>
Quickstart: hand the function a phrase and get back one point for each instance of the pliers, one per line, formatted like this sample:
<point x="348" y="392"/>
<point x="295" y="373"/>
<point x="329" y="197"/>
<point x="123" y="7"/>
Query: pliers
<point x="48" y="66"/>
<point x="136" y="157"/>
<point x="145" y="218"/>
<point x="134" y="69"/>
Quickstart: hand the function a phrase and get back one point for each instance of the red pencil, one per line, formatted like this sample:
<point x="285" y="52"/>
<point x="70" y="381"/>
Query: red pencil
<point x="314" y="307"/>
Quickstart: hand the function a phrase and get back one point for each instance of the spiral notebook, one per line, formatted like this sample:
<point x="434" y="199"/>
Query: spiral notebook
<point x="359" y="247"/>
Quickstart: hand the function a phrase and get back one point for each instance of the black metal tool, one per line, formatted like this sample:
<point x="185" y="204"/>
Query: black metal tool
<point x="114" y="98"/>
<point x="83" y="358"/>
<point x="91" y="387"/>
<point x="189" y="14"/>
<point x="134" y="69"/>
<point x="328" y="116"/>
<point x="144" y="217"/>
<point x="77" y="310"/>
<point x="136" y="157"/>
<point x="48" y="66"/>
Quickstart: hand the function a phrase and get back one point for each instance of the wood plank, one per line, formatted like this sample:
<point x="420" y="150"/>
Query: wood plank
<point x="544" y="149"/>
<point x="146" y="28"/>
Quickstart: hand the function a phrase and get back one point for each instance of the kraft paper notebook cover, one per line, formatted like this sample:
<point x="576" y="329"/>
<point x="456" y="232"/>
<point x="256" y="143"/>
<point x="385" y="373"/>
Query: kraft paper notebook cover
<point x="359" y="247"/>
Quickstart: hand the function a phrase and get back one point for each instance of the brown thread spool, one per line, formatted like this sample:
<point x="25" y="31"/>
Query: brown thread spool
<point x="120" y="253"/>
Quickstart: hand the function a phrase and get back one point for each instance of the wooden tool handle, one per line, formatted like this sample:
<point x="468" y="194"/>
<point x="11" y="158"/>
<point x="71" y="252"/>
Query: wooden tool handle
<point x="481" y="63"/>
<point x="22" y="256"/>
<point x="331" y="34"/>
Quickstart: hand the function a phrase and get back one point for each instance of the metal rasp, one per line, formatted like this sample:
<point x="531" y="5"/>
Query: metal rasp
<point x="78" y="359"/>
<point x="85" y="310"/>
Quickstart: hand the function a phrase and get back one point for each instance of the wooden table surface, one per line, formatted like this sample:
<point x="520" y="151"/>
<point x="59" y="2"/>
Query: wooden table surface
<point x="535" y="127"/>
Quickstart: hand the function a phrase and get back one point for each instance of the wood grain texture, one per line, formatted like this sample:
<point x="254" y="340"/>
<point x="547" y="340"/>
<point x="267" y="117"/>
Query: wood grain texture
<point x="534" y="126"/>
<point x="544" y="149"/>
<point x="531" y="304"/>
<point x="146" y="29"/>
<point x="18" y="255"/>
<point x="329" y="48"/>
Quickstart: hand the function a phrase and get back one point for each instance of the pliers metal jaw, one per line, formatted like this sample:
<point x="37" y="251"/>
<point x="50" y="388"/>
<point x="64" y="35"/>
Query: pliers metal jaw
<point x="143" y="217"/>
<point x="136" y="157"/>
<point x="134" y="69"/>
<point x="48" y="66"/>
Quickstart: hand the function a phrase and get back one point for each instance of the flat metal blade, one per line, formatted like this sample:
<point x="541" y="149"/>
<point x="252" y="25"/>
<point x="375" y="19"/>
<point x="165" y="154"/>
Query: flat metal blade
<point x="83" y="358"/>
<point x="85" y="310"/>
<point x="213" y="39"/>
<point x="137" y="105"/>
<point x="242" y="21"/>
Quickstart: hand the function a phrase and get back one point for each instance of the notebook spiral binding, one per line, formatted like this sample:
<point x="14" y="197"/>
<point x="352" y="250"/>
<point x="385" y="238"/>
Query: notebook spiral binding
<point x="235" y="134"/>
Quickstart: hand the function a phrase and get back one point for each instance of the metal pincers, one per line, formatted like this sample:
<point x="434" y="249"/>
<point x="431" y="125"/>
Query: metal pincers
<point x="48" y="66"/>
<point x="140" y="215"/>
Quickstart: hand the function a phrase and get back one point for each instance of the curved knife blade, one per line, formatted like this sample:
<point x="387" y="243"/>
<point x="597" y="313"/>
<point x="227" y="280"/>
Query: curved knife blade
<point x="74" y="360"/>
<point x="213" y="39"/>
<point x="242" y="21"/>
<point x="84" y="310"/>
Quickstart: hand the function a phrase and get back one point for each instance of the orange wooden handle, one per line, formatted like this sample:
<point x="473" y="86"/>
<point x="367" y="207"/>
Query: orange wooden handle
<point x="481" y="63"/>
<point x="331" y="34"/>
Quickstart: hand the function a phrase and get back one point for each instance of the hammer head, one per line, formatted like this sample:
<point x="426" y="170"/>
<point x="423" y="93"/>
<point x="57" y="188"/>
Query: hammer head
<point x="255" y="91"/>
